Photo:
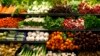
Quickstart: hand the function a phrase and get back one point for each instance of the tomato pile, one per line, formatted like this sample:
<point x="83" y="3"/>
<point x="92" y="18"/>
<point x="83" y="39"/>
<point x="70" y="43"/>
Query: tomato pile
<point x="9" y="22"/>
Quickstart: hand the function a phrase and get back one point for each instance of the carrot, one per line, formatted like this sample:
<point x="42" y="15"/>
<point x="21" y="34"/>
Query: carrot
<point x="9" y="8"/>
<point x="12" y="9"/>
<point x="23" y="11"/>
<point x="4" y="9"/>
<point x="1" y="7"/>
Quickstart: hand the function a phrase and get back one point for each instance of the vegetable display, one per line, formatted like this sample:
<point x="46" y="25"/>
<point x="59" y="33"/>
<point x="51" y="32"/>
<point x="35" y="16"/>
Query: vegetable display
<point x="50" y="6"/>
<point x="87" y="40"/>
<point x="33" y="50"/>
<point x="13" y="6"/>
<point x="50" y="53"/>
<point x="74" y="5"/>
<point x="91" y="22"/>
<point x="70" y="23"/>
<point x="86" y="8"/>
<point x="9" y="50"/>
<point x="83" y="22"/>
<point x="87" y="53"/>
<point x="60" y="9"/>
<point x="9" y="22"/>
<point x="37" y="36"/>
<point x="53" y="24"/>
<point x="3" y="35"/>
<point x="59" y="41"/>
<point x="11" y="35"/>
<point x="39" y="8"/>
<point x="20" y="36"/>
<point x="34" y="22"/>
<point x="7" y="10"/>
<point x="49" y="28"/>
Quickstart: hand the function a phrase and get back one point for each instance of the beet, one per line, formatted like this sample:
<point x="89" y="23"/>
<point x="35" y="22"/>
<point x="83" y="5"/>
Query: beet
<point x="87" y="40"/>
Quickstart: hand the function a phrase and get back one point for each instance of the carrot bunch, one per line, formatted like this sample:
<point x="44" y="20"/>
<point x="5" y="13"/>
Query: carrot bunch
<point x="7" y="9"/>
<point x="9" y="22"/>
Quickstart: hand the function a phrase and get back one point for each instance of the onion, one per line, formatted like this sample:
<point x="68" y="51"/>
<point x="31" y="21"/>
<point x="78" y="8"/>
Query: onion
<point x="37" y="32"/>
<point x="73" y="54"/>
<point x="33" y="34"/>
<point x="41" y="38"/>
<point x="46" y="38"/>
<point x="29" y="33"/>
<point x="41" y="34"/>
<point x="29" y="39"/>
<point x="37" y="38"/>
<point x="46" y="34"/>
<point x="69" y="54"/>
<point x="54" y="54"/>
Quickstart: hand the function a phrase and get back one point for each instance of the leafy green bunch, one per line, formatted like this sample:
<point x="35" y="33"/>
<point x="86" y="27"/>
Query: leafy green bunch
<point x="91" y="21"/>
<point x="53" y="24"/>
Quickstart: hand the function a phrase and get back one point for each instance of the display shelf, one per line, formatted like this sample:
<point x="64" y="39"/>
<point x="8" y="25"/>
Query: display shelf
<point x="22" y="29"/>
<point x="34" y="29"/>
<point x="77" y="14"/>
<point x="22" y="41"/>
<point x="36" y="15"/>
<point x="47" y="14"/>
<point x="79" y="34"/>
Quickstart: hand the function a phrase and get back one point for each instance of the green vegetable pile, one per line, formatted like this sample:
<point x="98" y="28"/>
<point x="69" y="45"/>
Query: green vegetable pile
<point x="3" y="35"/>
<point x="20" y="36"/>
<point x="32" y="22"/>
<point x="53" y="24"/>
<point x="74" y="4"/>
<point x="33" y="50"/>
<point x="91" y="21"/>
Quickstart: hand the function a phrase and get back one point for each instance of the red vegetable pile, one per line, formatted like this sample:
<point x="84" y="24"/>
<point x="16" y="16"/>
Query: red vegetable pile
<point x="70" y="23"/>
<point x="85" y="8"/>
<point x="9" y="22"/>
<point x="89" y="40"/>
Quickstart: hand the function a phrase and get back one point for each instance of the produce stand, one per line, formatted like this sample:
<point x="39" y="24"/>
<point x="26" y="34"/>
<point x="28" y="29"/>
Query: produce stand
<point x="49" y="28"/>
